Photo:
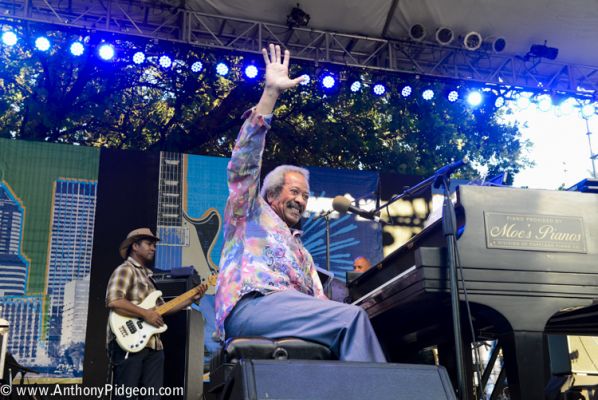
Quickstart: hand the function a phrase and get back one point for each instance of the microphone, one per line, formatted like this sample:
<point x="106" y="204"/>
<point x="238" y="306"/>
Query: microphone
<point x="343" y="204"/>
<point x="448" y="170"/>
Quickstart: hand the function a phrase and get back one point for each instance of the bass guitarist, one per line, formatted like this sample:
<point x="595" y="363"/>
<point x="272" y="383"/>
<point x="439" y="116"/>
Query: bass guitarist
<point x="130" y="283"/>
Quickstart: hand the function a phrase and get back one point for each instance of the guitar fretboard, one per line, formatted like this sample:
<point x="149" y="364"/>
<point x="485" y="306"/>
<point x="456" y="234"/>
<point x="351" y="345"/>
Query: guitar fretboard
<point x="170" y="201"/>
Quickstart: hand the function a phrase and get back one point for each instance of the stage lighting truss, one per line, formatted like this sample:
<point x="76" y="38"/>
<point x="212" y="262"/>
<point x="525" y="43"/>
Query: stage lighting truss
<point x="496" y="95"/>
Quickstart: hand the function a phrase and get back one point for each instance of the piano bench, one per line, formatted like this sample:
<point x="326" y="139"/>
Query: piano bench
<point x="259" y="348"/>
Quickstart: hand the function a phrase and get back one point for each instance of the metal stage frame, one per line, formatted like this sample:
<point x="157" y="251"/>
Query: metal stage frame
<point x="163" y="21"/>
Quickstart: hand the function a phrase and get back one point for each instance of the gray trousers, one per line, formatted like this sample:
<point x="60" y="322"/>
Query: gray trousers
<point x="344" y="328"/>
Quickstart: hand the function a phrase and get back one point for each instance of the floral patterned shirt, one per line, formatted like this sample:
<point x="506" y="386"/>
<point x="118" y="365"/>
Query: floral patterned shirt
<point x="260" y="253"/>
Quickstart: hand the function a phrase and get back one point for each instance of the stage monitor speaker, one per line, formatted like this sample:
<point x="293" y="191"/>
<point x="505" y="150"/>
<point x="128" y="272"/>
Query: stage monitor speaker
<point x="184" y="353"/>
<point x="329" y="380"/>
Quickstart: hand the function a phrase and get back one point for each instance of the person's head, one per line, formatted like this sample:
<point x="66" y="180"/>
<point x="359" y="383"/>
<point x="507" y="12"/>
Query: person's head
<point x="286" y="190"/>
<point x="139" y="244"/>
<point x="361" y="264"/>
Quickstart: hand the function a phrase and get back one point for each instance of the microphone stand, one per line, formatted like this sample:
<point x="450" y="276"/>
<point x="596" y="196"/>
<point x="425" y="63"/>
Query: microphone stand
<point x="449" y="230"/>
<point x="326" y="216"/>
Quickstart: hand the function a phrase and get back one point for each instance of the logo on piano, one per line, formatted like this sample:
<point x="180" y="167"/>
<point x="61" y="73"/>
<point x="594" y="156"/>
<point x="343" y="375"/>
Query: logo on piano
<point x="535" y="232"/>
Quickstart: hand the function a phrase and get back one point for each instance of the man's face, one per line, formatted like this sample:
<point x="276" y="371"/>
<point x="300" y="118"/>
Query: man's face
<point x="144" y="251"/>
<point x="361" y="264"/>
<point x="292" y="200"/>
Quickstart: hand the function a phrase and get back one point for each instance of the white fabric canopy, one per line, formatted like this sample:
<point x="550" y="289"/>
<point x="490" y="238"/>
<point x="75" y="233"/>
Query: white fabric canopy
<point x="569" y="25"/>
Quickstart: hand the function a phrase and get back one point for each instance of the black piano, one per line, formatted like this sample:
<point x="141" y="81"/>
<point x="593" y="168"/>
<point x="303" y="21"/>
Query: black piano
<point x="526" y="256"/>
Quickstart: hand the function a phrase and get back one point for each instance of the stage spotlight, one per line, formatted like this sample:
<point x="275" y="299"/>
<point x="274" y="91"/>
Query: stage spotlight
<point x="499" y="102"/>
<point x="251" y="71"/>
<point x="542" y="51"/>
<point x="106" y="52"/>
<point x="523" y="101"/>
<point x="297" y="18"/>
<point x="165" y="62"/>
<point x="417" y="32"/>
<point x="453" y="96"/>
<point x="306" y="80"/>
<point x="356" y="86"/>
<point x="328" y="82"/>
<point x="406" y="91"/>
<point x="222" y="69"/>
<point x="496" y="44"/>
<point x="379" y="89"/>
<point x="444" y="36"/>
<point x="567" y="106"/>
<point x="474" y="98"/>
<point x="9" y="38"/>
<point x="197" y="66"/>
<point x="472" y="41"/>
<point x="428" y="94"/>
<point x="588" y="111"/>
<point x="77" y="49"/>
<point x="544" y="102"/>
<point x="139" y="57"/>
<point x="42" y="43"/>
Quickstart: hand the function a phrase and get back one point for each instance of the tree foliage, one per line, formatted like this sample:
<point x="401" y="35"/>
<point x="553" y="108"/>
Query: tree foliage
<point x="57" y="97"/>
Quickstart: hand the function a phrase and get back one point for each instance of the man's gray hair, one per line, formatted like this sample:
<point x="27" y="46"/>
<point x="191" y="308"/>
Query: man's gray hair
<point x="274" y="181"/>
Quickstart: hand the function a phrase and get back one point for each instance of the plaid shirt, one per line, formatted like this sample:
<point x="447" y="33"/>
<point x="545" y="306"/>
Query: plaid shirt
<point x="132" y="281"/>
<point x="260" y="252"/>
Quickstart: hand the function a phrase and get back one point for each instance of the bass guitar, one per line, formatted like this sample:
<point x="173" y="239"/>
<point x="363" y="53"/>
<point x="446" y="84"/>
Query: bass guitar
<point x="133" y="333"/>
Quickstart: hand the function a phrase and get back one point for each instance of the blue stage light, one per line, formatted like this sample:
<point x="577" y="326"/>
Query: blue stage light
<point x="428" y="94"/>
<point x="474" y="98"/>
<point x="523" y="102"/>
<point x="356" y="86"/>
<point x="139" y="57"/>
<point x="251" y="71"/>
<point x="197" y="66"/>
<point x="222" y="69"/>
<point x="567" y="106"/>
<point x="106" y="52"/>
<point x="499" y="102"/>
<point x="406" y="92"/>
<point x="453" y="96"/>
<point x="544" y="103"/>
<point x="77" y="49"/>
<point x="42" y="43"/>
<point x="588" y="110"/>
<point x="165" y="61"/>
<point x="9" y="38"/>
<point x="328" y="82"/>
<point x="306" y="80"/>
<point x="379" y="89"/>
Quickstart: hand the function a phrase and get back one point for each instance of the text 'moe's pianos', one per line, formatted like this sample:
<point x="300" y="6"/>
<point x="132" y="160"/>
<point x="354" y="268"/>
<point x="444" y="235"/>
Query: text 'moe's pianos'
<point x="526" y="255"/>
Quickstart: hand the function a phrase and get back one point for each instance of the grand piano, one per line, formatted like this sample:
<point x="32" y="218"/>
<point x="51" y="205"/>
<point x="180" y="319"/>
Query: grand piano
<point x="526" y="256"/>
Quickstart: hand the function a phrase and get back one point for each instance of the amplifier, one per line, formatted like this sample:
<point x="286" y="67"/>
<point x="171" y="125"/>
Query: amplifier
<point x="176" y="282"/>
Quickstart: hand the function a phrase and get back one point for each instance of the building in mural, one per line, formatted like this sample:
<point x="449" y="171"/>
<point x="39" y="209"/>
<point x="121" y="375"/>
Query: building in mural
<point x="74" y="312"/>
<point x="24" y="315"/>
<point x="71" y="242"/>
<point x="13" y="265"/>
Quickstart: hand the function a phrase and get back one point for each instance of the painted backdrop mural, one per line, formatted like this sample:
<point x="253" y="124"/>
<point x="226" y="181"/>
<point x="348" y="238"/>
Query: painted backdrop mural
<point x="47" y="211"/>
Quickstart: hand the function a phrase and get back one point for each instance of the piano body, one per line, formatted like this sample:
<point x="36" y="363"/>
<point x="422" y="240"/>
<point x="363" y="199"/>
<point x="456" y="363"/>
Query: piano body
<point x="525" y="255"/>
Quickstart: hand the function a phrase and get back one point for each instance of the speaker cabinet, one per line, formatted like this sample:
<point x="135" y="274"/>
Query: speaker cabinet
<point x="329" y="380"/>
<point x="184" y="353"/>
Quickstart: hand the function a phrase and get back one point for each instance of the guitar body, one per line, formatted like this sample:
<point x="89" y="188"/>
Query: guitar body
<point x="203" y="233"/>
<point x="132" y="334"/>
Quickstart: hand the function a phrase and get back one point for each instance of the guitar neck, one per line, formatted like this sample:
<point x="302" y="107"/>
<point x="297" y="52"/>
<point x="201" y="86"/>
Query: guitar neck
<point x="164" y="308"/>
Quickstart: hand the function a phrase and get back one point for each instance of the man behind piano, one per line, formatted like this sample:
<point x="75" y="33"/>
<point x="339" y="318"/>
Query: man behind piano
<point x="268" y="285"/>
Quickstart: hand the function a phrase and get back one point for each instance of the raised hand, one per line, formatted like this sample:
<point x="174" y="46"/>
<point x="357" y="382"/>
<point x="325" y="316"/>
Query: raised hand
<point x="276" y="79"/>
<point x="277" y="69"/>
